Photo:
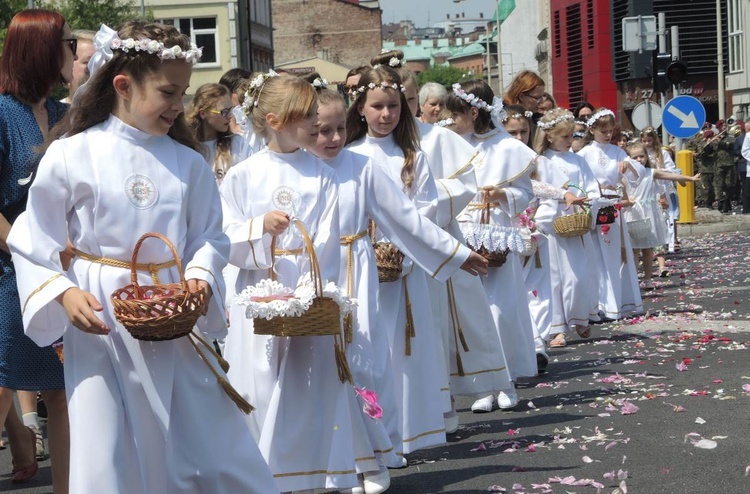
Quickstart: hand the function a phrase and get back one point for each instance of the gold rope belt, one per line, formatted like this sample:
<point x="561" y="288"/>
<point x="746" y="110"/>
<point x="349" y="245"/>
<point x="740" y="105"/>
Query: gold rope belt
<point x="349" y="240"/>
<point x="482" y="205"/>
<point x="288" y="252"/>
<point x="152" y="268"/>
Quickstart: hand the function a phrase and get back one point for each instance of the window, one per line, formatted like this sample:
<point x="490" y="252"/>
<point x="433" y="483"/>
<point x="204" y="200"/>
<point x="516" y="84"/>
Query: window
<point x="558" y="42"/>
<point x="736" y="36"/>
<point x="203" y="32"/>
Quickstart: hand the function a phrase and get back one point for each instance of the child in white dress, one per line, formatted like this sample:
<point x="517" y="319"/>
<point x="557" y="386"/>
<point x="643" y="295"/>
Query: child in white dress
<point x="504" y="179"/>
<point x="643" y="208"/>
<point x="303" y="419"/>
<point x="366" y="192"/>
<point x="573" y="293"/>
<point x="145" y="417"/>
<point x="209" y="116"/>
<point x="619" y="294"/>
<point x="380" y="126"/>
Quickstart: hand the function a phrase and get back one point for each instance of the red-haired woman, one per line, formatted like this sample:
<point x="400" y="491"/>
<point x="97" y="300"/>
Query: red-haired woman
<point x="38" y="56"/>
<point x="527" y="90"/>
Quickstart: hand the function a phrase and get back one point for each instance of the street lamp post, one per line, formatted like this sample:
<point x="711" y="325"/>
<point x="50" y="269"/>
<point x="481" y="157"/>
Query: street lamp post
<point x="499" y="52"/>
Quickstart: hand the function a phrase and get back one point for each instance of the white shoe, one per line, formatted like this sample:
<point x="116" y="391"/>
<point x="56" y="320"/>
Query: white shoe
<point x="353" y="490"/>
<point x="507" y="400"/>
<point x="375" y="483"/>
<point x="483" y="405"/>
<point x="451" y="422"/>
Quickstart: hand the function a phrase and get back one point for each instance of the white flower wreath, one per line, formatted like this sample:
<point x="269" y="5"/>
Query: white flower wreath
<point x="565" y="117"/>
<point x="382" y="85"/>
<point x="596" y="116"/>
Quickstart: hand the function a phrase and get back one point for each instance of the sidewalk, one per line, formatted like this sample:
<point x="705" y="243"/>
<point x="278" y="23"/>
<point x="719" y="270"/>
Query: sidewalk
<point x="712" y="221"/>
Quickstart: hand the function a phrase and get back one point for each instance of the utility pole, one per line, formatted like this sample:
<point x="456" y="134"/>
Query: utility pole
<point x="675" y="39"/>
<point x="661" y="29"/>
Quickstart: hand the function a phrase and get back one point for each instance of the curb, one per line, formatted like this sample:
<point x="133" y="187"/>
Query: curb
<point x="698" y="229"/>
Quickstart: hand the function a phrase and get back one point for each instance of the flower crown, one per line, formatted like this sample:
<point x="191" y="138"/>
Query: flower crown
<point x="445" y="123"/>
<point x="518" y="116"/>
<point x="393" y="62"/>
<point x="471" y="98"/>
<point x="320" y="83"/>
<point x="252" y="95"/>
<point x="107" y="39"/>
<point x="496" y="109"/>
<point x="565" y="117"/>
<point x="382" y="85"/>
<point x="596" y="116"/>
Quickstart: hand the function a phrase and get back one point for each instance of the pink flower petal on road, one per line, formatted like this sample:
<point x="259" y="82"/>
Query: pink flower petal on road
<point x="496" y="488"/>
<point x="586" y="459"/>
<point x="622" y="474"/>
<point x="610" y="445"/>
<point x="513" y="432"/>
<point x="517" y="487"/>
<point x="747" y="470"/>
<point x="681" y="367"/>
<point x="481" y="447"/>
<point x="628" y="408"/>
<point x="746" y="388"/>
<point x="610" y="476"/>
<point x="531" y="404"/>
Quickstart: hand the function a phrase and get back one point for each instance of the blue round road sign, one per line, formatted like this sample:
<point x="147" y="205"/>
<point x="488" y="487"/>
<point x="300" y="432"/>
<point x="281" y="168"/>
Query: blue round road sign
<point x="683" y="116"/>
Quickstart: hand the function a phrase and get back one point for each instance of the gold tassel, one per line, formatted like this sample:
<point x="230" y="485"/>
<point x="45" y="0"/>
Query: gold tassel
<point x="537" y="259"/>
<point x="458" y="333"/>
<point x="345" y="375"/>
<point x="409" y="332"/>
<point x="526" y="260"/>
<point x="459" y="364"/>
<point x="222" y="362"/>
<point x="238" y="400"/>
<point x="348" y="328"/>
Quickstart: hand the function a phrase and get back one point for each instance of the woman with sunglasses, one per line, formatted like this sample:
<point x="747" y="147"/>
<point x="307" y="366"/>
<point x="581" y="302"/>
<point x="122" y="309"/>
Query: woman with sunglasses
<point x="38" y="57"/>
<point x="527" y="90"/>
<point x="209" y="116"/>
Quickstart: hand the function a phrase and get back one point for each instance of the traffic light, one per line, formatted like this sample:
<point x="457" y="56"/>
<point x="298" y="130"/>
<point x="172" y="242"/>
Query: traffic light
<point x="668" y="72"/>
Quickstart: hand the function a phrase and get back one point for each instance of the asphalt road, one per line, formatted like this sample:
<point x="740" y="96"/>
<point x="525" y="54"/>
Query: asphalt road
<point x="653" y="404"/>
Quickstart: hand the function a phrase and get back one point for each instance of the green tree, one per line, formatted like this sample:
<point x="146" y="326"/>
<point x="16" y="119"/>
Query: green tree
<point x="91" y="14"/>
<point x="79" y="14"/>
<point x="442" y="74"/>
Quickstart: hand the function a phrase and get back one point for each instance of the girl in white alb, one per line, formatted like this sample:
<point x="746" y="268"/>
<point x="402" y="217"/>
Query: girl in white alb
<point x="303" y="418"/>
<point x="504" y="178"/>
<point x="145" y="417"/>
<point x="574" y="296"/>
<point x="619" y="294"/>
<point x="365" y="191"/>
<point x="380" y="127"/>
<point x="459" y="307"/>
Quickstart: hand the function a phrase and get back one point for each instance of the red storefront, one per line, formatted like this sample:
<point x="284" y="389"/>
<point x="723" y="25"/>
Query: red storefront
<point x="581" y="53"/>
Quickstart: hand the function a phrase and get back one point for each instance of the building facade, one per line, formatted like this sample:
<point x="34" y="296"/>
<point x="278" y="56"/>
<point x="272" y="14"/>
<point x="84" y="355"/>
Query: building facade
<point x="231" y="33"/>
<point x="738" y="67"/>
<point x="345" y="32"/>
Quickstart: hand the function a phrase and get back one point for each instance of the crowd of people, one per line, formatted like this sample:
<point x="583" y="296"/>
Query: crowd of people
<point x="269" y="176"/>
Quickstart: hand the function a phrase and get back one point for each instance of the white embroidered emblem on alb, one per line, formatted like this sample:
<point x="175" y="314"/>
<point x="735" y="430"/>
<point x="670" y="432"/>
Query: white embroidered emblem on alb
<point x="141" y="191"/>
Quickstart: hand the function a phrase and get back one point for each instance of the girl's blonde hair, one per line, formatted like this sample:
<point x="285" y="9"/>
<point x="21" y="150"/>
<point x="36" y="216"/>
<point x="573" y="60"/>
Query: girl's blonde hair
<point x="205" y="99"/>
<point x="405" y="134"/>
<point x="288" y="97"/>
<point x="557" y="121"/>
<point x="639" y="145"/>
<point x="96" y="102"/>
<point x="657" y="147"/>
<point x="600" y="122"/>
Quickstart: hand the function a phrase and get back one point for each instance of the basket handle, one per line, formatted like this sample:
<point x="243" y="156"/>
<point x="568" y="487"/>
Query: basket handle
<point x="586" y="194"/>
<point x="134" y="259"/>
<point x="315" y="274"/>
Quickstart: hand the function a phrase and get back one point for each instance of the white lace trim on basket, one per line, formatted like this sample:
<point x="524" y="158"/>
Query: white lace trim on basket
<point x="269" y="298"/>
<point x="496" y="238"/>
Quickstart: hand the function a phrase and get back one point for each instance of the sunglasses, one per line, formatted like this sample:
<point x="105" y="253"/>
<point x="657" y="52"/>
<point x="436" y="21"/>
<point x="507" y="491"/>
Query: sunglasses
<point x="72" y="44"/>
<point x="225" y="113"/>
<point x="350" y="89"/>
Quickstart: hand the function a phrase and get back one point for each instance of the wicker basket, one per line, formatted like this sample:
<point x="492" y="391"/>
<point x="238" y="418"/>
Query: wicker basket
<point x="573" y="225"/>
<point x="322" y="318"/>
<point x="495" y="259"/>
<point x="159" y="312"/>
<point x="389" y="261"/>
<point x="388" y="258"/>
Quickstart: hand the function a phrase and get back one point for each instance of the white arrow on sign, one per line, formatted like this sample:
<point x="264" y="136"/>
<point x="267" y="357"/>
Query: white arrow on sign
<point x="688" y="121"/>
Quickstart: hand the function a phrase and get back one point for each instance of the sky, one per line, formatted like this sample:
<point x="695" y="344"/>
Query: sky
<point x="422" y="11"/>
